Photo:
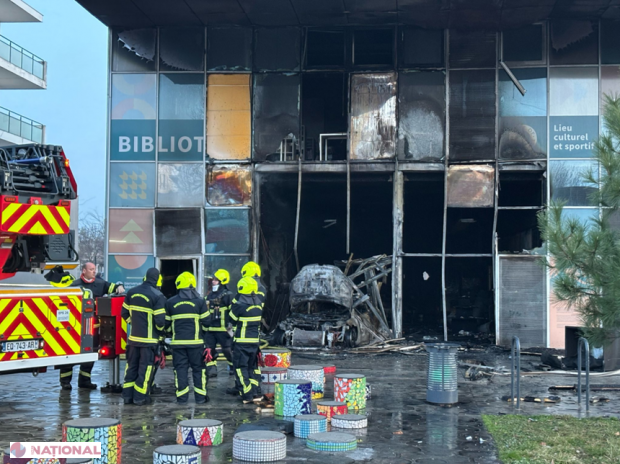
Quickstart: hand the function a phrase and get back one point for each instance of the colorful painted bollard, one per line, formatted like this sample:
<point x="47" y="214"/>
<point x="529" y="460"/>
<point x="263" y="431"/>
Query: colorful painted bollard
<point x="276" y="357"/>
<point x="200" y="432"/>
<point x="269" y="377"/>
<point x="309" y="423"/>
<point x="177" y="454"/>
<point x="331" y="408"/>
<point x="106" y="431"/>
<point x="331" y="369"/>
<point x="331" y="441"/>
<point x="293" y="397"/>
<point x="314" y="374"/>
<point x="259" y="446"/>
<point x="351" y="389"/>
<point x="350" y="421"/>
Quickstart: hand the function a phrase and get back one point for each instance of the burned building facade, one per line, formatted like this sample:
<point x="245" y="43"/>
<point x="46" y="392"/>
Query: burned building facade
<point x="296" y="139"/>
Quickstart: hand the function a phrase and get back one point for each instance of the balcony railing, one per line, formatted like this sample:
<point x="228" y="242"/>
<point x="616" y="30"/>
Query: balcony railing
<point x="23" y="127"/>
<point x="22" y="58"/>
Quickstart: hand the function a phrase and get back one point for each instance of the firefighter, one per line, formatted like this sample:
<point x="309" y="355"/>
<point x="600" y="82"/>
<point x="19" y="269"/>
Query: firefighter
<point x="144" y="308"/>
<point x="219" y="301"/>
<point x="251" y="269"/>
<point x="246" y="313"/>
<point x="98" y="287"/>
<point x="187" y="317"/>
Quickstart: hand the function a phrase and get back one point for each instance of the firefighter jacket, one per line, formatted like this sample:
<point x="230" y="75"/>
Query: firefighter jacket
<point x="144" y="309"/>
<point x="98" y="287"/>
<point x="219" y="309"/>
<point x="187" y="317"/>
<point x="246" y="314"/>
<point x="261" y="294"/>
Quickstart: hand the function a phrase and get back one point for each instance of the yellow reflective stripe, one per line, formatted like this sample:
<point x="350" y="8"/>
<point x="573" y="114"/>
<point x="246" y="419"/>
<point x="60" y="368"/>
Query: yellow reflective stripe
<point x="233" y="316"/>
<point x="202" y="392"/>
<point x="212" y="363"/>
<point x="85" y="374"/>
<point x="187" y="342"/>
<point x="129" y="384"/>
<point x="111" y="288"/>
<point x="168" y="318"/>
<point x="133" y="338"/>
<point x="157" y="312"/>
<point x="141" y="296"/>
<point x="246" y="340"/>
<point x="183" y="392"/>
<point x="184" y="303"/>
<point x="145" y="385"/>
<point x="66" y="374"/>
<point x="246" y="388"/>
<point x="216" y="329"/>
<point x="250" y="319"/>
<point x="9" y="210"/>
<point x="184" y="316"/>
<point x="141" y="309"/>
<point x="254" y="382"/>
<point x="207" y="314"/>
<point x="125" y="305"/>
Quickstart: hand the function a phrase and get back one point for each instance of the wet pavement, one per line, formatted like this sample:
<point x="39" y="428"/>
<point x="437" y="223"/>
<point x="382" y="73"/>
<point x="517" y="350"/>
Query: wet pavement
<point x="402" y="427"/>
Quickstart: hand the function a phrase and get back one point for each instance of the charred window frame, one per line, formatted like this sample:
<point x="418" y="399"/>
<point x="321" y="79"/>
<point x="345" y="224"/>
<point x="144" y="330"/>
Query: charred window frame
<point x="229" y="49"/>
<point x="325" y="48"/>
<point x="525" y="46"/>
<point x="373" y="48"/>
<point x="277" y="49"/>
<point x="420" y="48"/>
<point x="134" y="50"/>
<point x="175" y="232"/>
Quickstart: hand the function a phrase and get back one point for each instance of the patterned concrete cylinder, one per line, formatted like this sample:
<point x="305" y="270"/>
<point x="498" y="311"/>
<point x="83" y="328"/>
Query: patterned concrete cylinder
<point x="200" y="432"/>
<point x="6" y="459"/>
<point x="276" y="357"/>
<point x="331" y="441"/>
<point x="269" y="377"/>
<point x="331" y="369"/>
<point x="259" y="446"/>
<point x="293" y="397"/>
<point x="97" y="429"/>
<point x="314" y="374"/>
<point x="331" y="408"/>
<point x="351" y="389"/>
<point x="309" y="423"/>
<point x="350" y="421"/>
<point x="177" y="454"/>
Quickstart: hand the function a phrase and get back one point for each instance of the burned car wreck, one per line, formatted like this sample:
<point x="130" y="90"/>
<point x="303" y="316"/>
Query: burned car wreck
<point x="329" y="309"/>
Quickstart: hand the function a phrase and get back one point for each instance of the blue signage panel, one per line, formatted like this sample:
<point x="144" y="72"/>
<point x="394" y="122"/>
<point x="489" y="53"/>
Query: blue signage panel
<point x="129" y="269"/>
<point x="572" y="136"/>
<point x="181" y="140"/>
<point x="132" y="185"/>
<point x="132" y="140"/>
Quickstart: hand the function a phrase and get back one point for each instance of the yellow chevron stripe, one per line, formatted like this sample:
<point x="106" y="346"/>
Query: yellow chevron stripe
<point x="62" y="332"/>
<point x="9" y="210"/>
<point x="62" y="210"/>
<point x="51" y="220"/>
<point x="21" y="222"/>
<point x="48" y="337"/>
<point x="124" y="339"/>
<point x="37" y="229"/>
<point x="8" y="320"/>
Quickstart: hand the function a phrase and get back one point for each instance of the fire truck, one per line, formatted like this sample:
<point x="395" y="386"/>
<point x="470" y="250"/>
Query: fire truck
<point x="40" y="326"/>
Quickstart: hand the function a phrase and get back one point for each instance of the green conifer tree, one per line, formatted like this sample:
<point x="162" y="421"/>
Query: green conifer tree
<point x="584" y="256"/>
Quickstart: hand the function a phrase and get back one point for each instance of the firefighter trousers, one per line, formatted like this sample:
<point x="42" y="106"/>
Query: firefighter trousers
<point x="225" y="341"/>
<point x="138" y="372"/>
<point x="66" y="374"/>
<point x="245" y="362"/>
<point x="182" y="360"/>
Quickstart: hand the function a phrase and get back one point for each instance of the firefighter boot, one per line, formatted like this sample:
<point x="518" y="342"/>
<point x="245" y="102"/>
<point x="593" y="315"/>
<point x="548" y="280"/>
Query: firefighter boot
<point x="84" y="377"/>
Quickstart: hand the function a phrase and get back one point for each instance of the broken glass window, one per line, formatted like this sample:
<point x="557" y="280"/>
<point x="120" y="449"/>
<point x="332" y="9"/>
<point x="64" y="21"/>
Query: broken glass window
<point x="373" y="116"/>
<point x="178" y="232"/>
<point x="134" y="50"/>
<point x="517" y="230"/>
<point x="181" y="49"/>
<point x="373" y="47"/>
<point x="469" y="230"/>
<point x="277" y="49"/>
<point x="180" y="184"/>
<point x="523" y="118"/>
<point x="472" y="115"/>
<point x="610" y="38"/>
<point x="567" y="181"/>
<point x="229" y="124"/>
<point x="181" y="117"/>
<point x="232" y="264"/>
<point x="574" y="42"/>
<point x="471" y="186"/>
<point x="228" y="230"/>
<point x="325" y="48"/>
<point x="229" y="49"/>
<point x="422" y="114"/>
<point x="472" y="49"/>
<point x="276" y="112"/>
<point x="525" y="44"/>
<point x="421" y="48"/>
<point x="229" y="185"/>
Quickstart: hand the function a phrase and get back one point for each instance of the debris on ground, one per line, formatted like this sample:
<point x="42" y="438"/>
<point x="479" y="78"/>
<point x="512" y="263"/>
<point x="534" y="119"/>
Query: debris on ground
<point x="583" y="387"/>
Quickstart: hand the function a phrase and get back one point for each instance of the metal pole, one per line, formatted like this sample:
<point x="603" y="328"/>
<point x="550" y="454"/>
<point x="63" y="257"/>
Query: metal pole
<point x="297" y="216"/>
<point x="348" y="203"/>
<point x="516" y="366"/>
<point x="586" y="347"/>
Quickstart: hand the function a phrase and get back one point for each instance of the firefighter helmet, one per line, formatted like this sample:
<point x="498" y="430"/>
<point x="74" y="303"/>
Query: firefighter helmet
<point x="223" y="276"/>
<point x="58" y="277"/>
<point x="250" y="269"/>
<point x="159" y="281"/>
<point x="185" y="280"/>
<point x="247" y="286"/>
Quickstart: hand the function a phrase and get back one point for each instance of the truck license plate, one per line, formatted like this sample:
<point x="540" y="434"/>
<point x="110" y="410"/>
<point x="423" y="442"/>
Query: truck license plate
<point x="21" y="345"/>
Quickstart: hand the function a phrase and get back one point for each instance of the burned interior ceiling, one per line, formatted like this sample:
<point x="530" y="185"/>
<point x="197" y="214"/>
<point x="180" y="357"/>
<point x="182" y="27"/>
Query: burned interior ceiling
<point x="454" y="14"/>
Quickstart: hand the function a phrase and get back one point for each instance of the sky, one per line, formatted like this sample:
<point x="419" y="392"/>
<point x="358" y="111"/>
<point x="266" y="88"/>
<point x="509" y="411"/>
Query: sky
<point x="74" y="106"/>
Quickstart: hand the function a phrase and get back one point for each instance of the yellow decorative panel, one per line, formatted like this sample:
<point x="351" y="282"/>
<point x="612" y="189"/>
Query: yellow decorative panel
<point x="229" y="125"/>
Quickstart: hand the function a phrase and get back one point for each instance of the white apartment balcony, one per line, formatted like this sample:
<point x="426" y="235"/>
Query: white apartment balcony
<point x="15" y="129"/>
<point x="20" y="69"/>
<point x="18" y="11"/>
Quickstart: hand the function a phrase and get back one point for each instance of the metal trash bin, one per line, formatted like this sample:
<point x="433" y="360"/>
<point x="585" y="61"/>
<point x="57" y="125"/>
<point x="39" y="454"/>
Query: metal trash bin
<point x="442" y="379"/>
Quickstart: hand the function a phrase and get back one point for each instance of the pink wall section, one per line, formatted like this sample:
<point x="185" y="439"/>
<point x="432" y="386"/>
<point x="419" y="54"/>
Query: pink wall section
<point x="560" y="316"/>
